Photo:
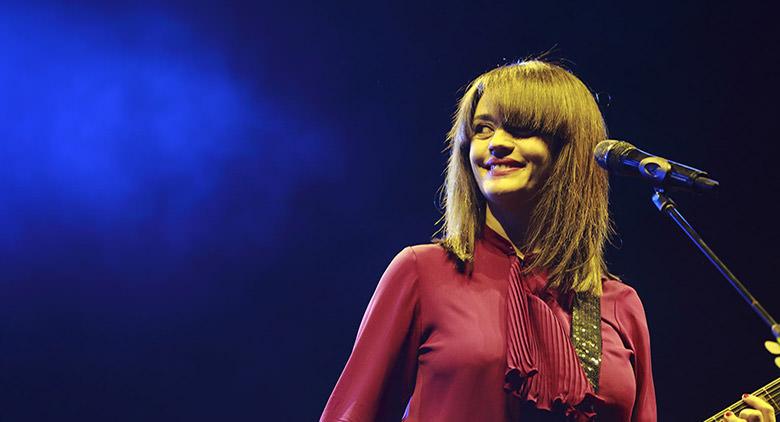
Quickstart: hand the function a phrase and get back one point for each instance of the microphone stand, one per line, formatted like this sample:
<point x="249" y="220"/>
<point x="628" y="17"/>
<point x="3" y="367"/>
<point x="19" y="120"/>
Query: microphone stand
<point x="667" y="206"/>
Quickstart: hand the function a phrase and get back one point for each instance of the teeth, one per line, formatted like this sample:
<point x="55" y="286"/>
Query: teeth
<point x="501" y="167"/>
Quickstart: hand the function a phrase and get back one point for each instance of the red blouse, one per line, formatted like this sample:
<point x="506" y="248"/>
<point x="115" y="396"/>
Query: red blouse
<point x="435" y="339"/>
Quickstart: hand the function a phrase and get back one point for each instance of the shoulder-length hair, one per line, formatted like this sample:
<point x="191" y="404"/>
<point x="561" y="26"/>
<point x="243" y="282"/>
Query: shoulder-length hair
<point x="570" y="222"/>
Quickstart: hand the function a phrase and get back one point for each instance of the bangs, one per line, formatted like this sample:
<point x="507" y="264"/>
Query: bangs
<point x="531" y="99"/>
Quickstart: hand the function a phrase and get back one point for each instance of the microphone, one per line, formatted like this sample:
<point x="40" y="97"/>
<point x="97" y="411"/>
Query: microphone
<point x="625" y="159"/>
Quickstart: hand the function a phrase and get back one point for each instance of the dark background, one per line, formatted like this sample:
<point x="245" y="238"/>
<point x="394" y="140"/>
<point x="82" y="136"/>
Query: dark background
<point x="199" y="198"/>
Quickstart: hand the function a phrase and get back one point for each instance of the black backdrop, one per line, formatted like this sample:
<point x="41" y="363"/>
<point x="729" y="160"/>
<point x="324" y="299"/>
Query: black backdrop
<point x="199" y="198"/>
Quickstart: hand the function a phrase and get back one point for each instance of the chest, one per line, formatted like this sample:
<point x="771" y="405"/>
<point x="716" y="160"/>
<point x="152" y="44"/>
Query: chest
<point x="464" y="331"/>
<point x="463" y="326"/>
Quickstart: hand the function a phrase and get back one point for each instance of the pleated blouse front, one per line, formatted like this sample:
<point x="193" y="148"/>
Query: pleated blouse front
<point x="432" y="346"/>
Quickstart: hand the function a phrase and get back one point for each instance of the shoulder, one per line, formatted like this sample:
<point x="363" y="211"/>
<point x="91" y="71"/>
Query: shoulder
<point x="620" y="293"/>
<point x="408" y="269"/>
<point x="403" y="265"/>
<point x="420" y="256"/>
<point x="428" y="252"/>
<point x="433" y="260"/>
<point x="422" y="262"/>
<point x="399" y="279"/>
<point x="624" y="303"/>
<point x="417" y="259"/>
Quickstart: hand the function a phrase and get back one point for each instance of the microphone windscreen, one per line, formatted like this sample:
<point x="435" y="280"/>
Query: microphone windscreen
<point x="601" y="152"/>
<point x="608" y="152"/>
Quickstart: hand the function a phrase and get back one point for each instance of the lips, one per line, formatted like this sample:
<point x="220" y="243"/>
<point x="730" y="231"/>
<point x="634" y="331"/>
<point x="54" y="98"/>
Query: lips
<point x="502" y="170"/>
<point x="496" y="165"/>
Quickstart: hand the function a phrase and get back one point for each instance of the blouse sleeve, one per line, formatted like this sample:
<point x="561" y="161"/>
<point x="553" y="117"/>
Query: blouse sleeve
<point x="632" y="318"/>
<point x="379" y="376"/>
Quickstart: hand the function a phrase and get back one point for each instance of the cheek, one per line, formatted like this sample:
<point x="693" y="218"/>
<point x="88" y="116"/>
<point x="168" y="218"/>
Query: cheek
<point x="545" y="166"/>
<point x="474" y="158"/>
<point x="539" y="154"/>
<point x="472" y="152"/>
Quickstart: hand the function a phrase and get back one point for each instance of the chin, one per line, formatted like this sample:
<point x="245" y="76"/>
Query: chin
<point x="521" y="194"/>
<point x="507" y="194"/>
<point x="507" y="190"/>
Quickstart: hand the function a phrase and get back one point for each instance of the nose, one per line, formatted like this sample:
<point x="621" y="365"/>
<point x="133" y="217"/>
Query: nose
<point x="501" y="143"/>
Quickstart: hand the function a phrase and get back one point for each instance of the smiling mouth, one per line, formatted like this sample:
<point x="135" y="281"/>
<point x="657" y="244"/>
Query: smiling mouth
<point x="500" y="170"/>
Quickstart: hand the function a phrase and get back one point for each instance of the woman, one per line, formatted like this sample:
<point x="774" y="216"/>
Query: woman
<point x="511" y="315"/>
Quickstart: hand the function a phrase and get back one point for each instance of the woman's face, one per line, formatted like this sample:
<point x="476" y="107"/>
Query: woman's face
<point x="509" y="165"/>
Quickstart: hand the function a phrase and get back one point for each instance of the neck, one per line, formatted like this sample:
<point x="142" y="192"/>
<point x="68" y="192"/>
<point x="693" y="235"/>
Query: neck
<point x="509" y="224"/>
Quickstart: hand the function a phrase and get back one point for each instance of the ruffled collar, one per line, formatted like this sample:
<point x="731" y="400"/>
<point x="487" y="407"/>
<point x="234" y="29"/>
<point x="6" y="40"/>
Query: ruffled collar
<point x="537" y="283"/>
<point x="542" y="365"/>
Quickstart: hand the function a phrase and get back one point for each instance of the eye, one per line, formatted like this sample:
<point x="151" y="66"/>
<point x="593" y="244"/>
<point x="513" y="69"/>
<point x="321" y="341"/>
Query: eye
<point x="482" y="131"/>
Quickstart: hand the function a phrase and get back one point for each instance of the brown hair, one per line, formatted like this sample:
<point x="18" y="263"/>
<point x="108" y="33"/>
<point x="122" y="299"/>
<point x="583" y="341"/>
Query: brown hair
<point x="570" y="223"/>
